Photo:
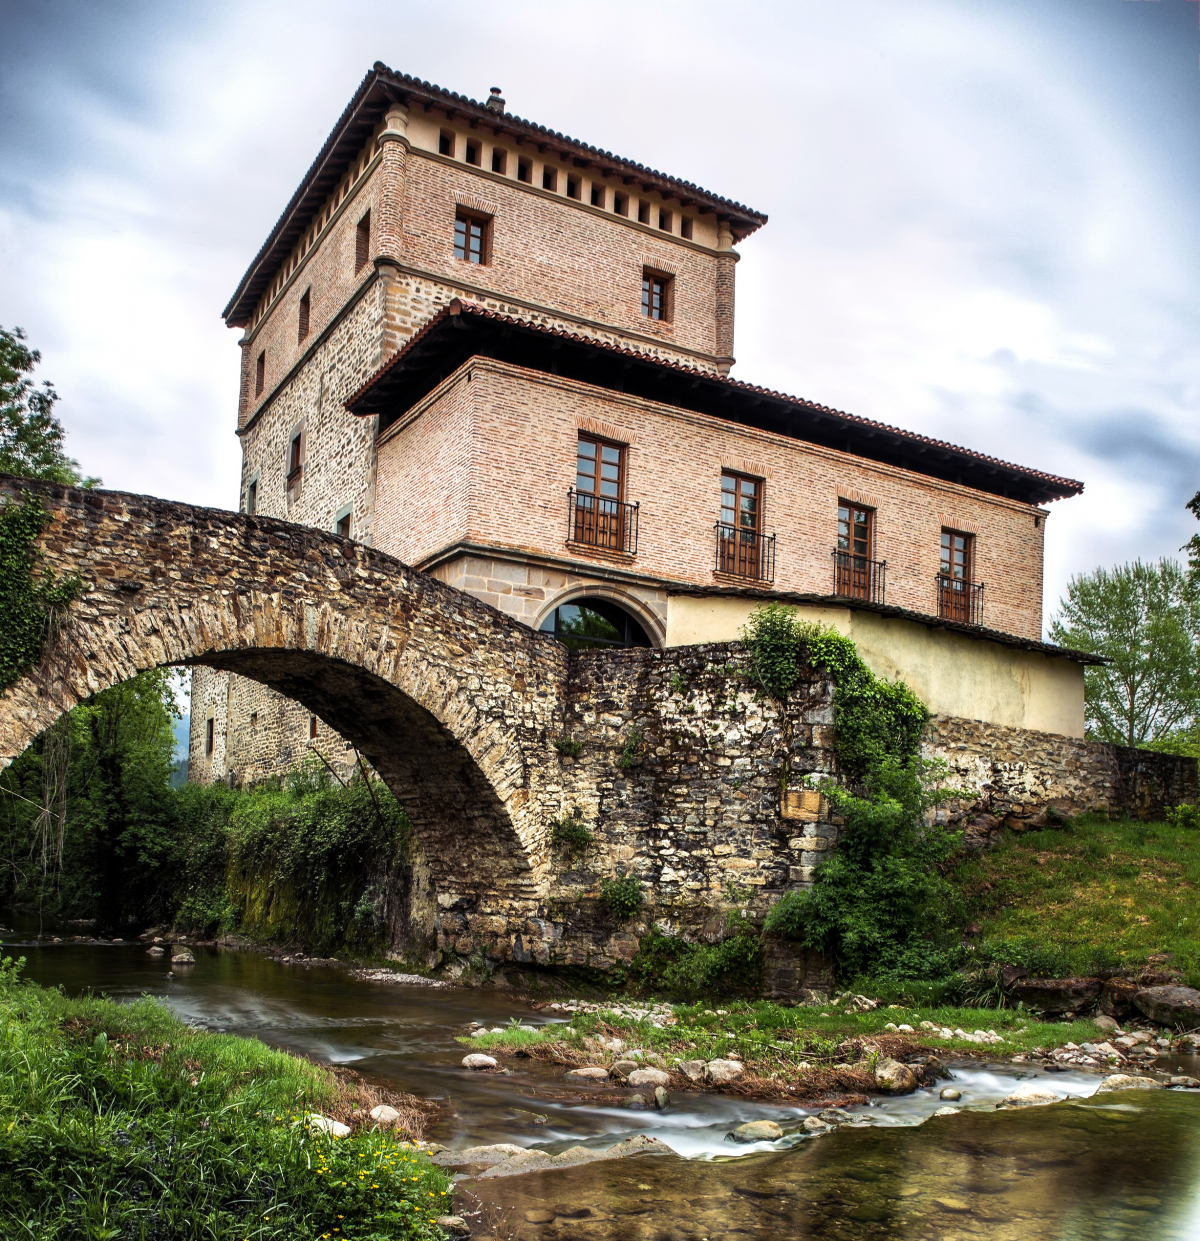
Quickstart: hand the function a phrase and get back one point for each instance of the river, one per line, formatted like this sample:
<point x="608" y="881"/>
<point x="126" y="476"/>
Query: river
<point x="1108" y="1167"/>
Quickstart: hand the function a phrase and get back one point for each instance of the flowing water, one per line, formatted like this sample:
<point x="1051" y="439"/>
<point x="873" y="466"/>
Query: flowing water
<point x="1125" y="1166"/>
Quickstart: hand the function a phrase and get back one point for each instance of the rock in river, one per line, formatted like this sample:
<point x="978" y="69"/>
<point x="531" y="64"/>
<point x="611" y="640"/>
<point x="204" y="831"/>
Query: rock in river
<point x="649" y="1077"/>
<point x="721" y="1071"/>
<point x="892" y="1077"/>
<point x="1125" y="1081"/>
<point x="814" y="1124"/>
<point x="1178" y="1007"/>
<point x="1029" y="1095"/>
<point x="757" y="1131"/>
<point x="476" y="1060"/>
<point x="592" y="1073"/>
<point x="182" y="956"/>
<point x="950" y="1094"/>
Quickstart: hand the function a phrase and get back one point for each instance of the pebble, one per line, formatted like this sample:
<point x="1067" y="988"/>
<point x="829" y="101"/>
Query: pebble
<point x="950" y="1094"/>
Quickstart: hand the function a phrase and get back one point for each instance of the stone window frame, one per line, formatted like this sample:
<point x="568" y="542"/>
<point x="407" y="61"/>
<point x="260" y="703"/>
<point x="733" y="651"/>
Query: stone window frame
<point x="293" y="468"/>
<point x="210" y="733"/>
<point x="251" y="491"/>
<point x="346" y="514"/>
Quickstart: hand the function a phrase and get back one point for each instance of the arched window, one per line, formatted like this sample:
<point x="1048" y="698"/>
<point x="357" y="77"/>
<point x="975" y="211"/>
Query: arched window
<point x="587" y="623"/>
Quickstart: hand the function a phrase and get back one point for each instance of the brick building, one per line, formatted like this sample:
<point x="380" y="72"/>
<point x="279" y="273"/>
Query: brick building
<point x="503" y="356"/>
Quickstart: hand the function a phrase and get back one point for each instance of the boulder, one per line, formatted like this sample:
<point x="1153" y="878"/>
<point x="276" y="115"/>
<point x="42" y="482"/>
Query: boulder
<point x="814" y="1124"/>
<point x="1107" y="1024"/>
<point x="661" y="1098"/>
<point x="592" y="1073"/>
<point x="649" y="1077"/>
<point x="322" y="1124"/>
<point x="623" y="1068"/>
<point x="487" y="1156"/>
<point x="454" y="1225"/>
<point x="1116" y="1000"/>
<point x="477" y="1060"/>
<point x="720" y="1072"/>
<point x="693" y="1070"/>
<point x="1057" y="995"/>
<point x="384" y="1115"/>
<point x="1029" y="1095"/>
<point x="1125" y="1081"/>
<point x="950" y="1095"/>
<point x="1187" y="1083"/>
<point x="947" y="1111"/>
<point x="182" y="956"/>
<point x="1177" y="1007"/>
<point x="834" y="1116"/>
<point x="756" y="1131"/>
<point x="154" y="952"/>
<point x="638" y="1145"/>
<point x="892" y="1077"/>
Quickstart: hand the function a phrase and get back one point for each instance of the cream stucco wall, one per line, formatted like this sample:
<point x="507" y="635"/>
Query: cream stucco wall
<point x="953" y="674"/>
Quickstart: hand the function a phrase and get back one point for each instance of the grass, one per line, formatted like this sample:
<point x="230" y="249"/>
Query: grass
<point x="1119" y="893"/>
<point x="120" y="1123"/>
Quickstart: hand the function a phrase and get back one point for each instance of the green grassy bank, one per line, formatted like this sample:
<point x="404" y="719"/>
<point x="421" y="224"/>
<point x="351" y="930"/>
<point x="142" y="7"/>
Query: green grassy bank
<point x="120" y="1123"/>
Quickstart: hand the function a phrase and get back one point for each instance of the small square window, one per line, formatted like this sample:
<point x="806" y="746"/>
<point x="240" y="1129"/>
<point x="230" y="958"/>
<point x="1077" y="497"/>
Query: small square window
<point x="665" y="220"/>
<point x="685" y="227"/>
<point x="472" y="237"/>
<point x="525" y="171"/>
<point x="656" y="295"/>
<point x="643" y="212"/>
<point x="446" y="142"/>
<point x="574" y="187"/>
<point x="598" y="195"/>
<point x="302" y="322"/>
<point x="260" y="373"/>
<point x="474" y="152"/>
<point x="549" y="178"/>
<point x="621" y="203"/>
<point x="499" y="160"/>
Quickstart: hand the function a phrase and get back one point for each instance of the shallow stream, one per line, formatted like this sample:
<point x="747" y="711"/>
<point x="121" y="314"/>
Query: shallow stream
<point x="1125" y="1166"/>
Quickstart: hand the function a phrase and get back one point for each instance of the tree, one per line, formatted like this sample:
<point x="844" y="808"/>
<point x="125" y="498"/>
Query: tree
<point x="1145" y="619"/>
<point x="31" y="437"/>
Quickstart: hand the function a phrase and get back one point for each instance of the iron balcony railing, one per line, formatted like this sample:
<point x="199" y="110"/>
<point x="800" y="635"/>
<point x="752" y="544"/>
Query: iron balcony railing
<point x="856" y="577"/>
<point x="744" y="553"/>
<point x="597" y="522"/>
<point x="959" y="600"/>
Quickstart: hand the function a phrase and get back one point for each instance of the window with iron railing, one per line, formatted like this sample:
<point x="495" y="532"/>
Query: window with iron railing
<point x="599" y="515"/>
<point x="742" y="548"/>
<point x="856" y="575"/>
<point x="959" y="598"/>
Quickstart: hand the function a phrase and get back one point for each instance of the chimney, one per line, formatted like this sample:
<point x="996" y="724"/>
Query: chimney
<point x="495" y="103"/>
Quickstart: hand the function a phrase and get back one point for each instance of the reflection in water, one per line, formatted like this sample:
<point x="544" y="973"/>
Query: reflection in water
<point x="1103" y="1167"/>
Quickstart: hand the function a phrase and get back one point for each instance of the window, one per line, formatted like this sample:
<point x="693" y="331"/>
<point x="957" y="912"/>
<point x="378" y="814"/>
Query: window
<point x="599" y="516"/>
<point x="598" y="195"/>
<point x="446" y="142"/>
<point x="471" y="237"/>
<point x="549" y="178"/>
<point x="260" y="373"/>
<point x="956" y="555"/>
<point x="621" y="203"/>
<point x="741" y="549"/>
<point x="643" y="212"/>
<point x="253" y="719"/>
<point x="959" y="598"/>
<point x="574" y="187"/>
<point x="252" y="497"/>
<point x="302" y="324"/>
<point x="590" y="623"/>
<point x="362" y="243"/>
<point x="656" y="295"/>
<point x="210" y="726"/>
<point x="856" y="574"/>
<point x="685" y="227"/>
<point x="312" y="728"/>
<point x="499" y="160"/>
<point x="295" y="466"/>
<point x="474" y="152"/>
<point x="665" y="219"/>
<point x="525" y="171"/>
<point x="341" y="523"/>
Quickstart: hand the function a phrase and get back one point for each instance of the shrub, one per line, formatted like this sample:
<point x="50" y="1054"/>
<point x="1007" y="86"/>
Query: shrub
<point x="1184" y="816"/>
<point x="669" y="965"/>
<point x="622" y="895"/>
<point x="568" y="747"/>
<point x="571" y="834"/>
<point x="629" y="751"/>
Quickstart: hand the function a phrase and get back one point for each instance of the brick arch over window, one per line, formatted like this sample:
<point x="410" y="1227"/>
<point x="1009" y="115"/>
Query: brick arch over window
<point x="641" y="612"/>
<point x="452" y="702"/>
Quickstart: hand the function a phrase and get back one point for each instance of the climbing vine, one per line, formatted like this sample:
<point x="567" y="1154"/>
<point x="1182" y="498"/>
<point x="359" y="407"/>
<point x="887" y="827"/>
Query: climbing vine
<point x="29" y="608"/>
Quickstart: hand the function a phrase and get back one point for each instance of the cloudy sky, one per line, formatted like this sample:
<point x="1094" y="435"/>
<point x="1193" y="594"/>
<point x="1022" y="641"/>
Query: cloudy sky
<point x="985" y="214"/>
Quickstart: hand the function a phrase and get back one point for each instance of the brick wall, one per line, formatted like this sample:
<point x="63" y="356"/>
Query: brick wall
<point x="512" y="490"/>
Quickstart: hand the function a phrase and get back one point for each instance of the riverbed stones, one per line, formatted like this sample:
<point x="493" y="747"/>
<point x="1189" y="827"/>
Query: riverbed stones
<point x="947" y="1111"/>
<point x="693" y="1070"/>
<point x="539" y="1161"/>
<point x="661" y="1098"/>
<point x="154" y="952"/>
<point x="814" y="1124"/>
<point x="477" y="1060"/>
<point x="756" y="1131"/>
<point x="486" y="1156"/>
<point x="950" y="1094"/>
<point x="834" y="1116"/>
<point x="1177" y="1007"/>
<point x="455" y="1225"/>
<point x="590" y="1073"/>
<point x="1029" y="1094"/>
<point x="1105" y="1023"/>
<point x="892" y="1077"/>
<point x="649" y="1077"/>
<point x="721" y="1072"/>
<point x="384" y="1115"/>
<point x="1186" y="1083"/>
<point x="182" y="956"/>
<point x="623" y="1068"/>
<point x="1126" y="1081"/>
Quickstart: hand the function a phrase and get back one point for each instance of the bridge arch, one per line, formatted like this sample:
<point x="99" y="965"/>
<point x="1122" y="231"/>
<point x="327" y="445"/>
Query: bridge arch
<point x="453" y="703"/>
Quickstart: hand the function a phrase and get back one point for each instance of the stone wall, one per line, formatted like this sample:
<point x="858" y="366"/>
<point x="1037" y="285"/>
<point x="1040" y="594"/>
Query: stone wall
<point x="1023" y="779"/>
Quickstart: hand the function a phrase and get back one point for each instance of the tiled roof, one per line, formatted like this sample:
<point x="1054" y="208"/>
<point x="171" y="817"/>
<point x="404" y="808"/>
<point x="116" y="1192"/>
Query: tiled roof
<point x="373" y="396"/>
<point x="380" y="88"/>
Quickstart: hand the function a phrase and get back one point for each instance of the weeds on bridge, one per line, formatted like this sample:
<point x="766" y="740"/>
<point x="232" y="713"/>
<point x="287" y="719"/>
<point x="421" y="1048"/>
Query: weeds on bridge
<point x="571" y="833"/>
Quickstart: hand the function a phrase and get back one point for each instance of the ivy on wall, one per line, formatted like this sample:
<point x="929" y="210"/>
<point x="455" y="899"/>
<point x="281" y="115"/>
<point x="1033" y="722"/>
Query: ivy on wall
<point x="29" y="607"/>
